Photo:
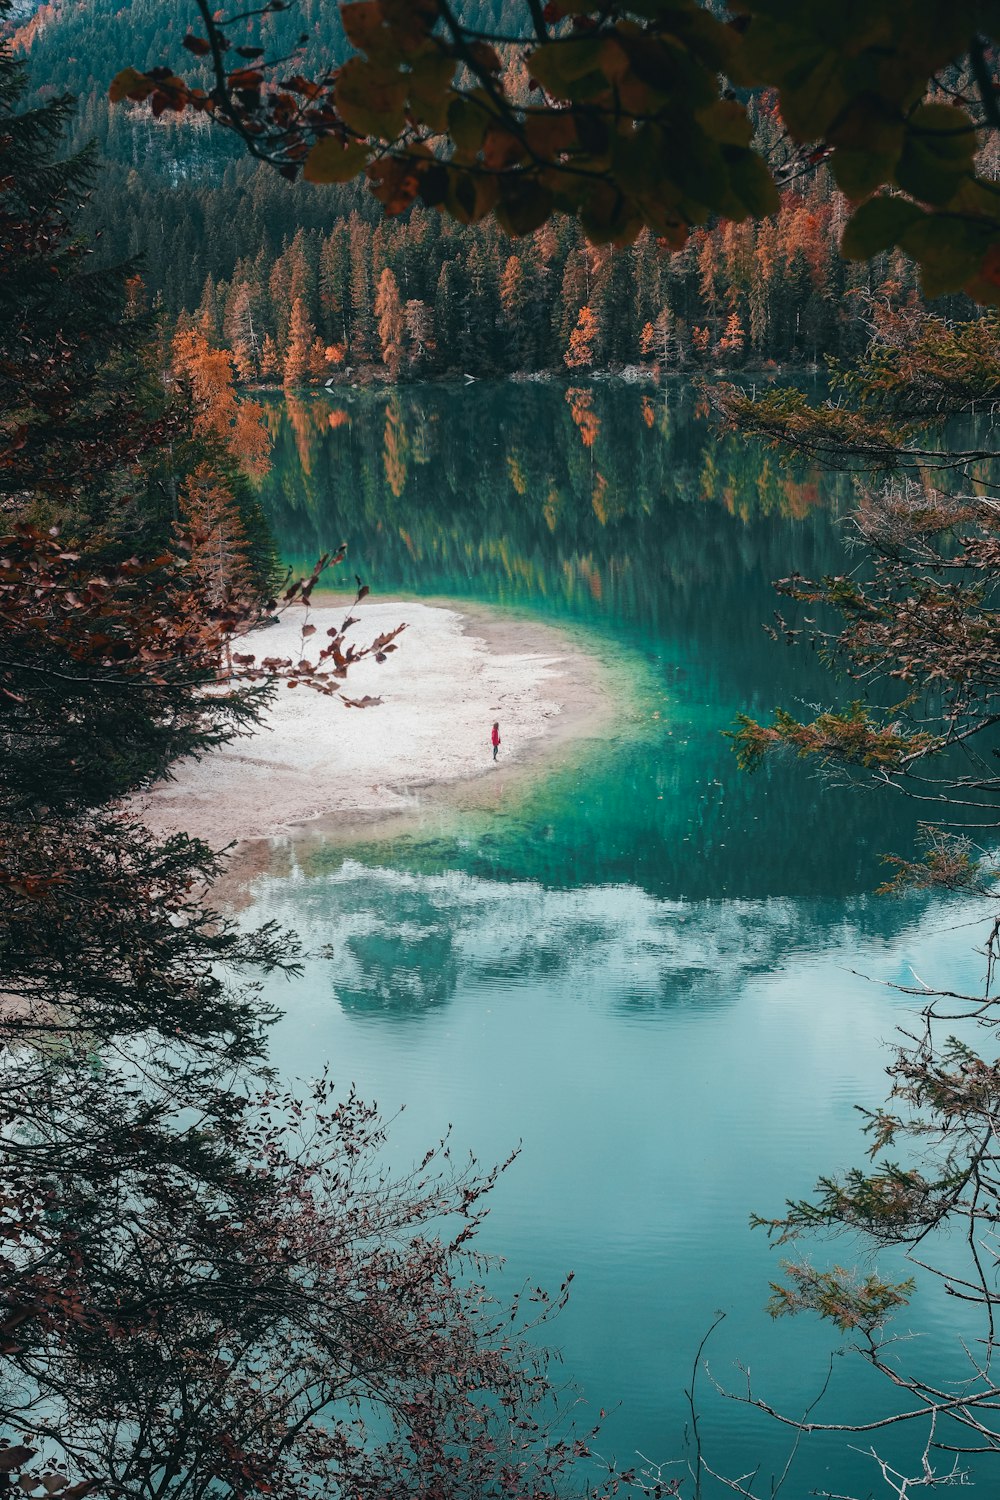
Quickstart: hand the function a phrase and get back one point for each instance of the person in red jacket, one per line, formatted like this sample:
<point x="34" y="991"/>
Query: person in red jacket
<point x="495" y="738"/>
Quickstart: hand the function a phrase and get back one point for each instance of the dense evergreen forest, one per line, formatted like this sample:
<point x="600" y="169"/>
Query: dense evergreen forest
<point x="302" y="283"/>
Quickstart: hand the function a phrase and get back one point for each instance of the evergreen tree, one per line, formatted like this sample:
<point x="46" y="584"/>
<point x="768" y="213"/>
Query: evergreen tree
<point x="68" y="358"/>
<point x="300" y="339"/>
<point x="448" y="313"/>
<point x="362" y="341"/>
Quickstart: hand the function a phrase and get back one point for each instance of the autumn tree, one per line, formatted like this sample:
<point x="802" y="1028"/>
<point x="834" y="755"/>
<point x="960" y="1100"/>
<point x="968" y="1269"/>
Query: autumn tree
<point x="419" y="331"/>
<point x="244" y="335"/>
<point x="733" y="337"/>
<point x="429" y="110"/>
<point x="301" y="334"/>
<point x="391" y="322"/>
<point x="657" y="337"/>
<point x="582" y="341"/>
<point x="234" y="426"/>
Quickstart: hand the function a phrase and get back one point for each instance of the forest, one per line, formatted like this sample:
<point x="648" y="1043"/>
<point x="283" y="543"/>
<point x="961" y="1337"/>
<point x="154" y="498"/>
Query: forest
<point x="606" y="700"/>
<point x="303" y="286"/>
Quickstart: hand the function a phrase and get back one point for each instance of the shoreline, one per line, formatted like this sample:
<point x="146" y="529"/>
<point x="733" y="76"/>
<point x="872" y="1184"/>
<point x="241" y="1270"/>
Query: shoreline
<point x="372" y="378"/>
<point x="316" y="767"/>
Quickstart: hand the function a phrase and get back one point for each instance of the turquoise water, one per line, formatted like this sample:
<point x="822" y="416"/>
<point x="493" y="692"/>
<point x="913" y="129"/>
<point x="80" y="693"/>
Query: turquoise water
<point x="651" y="971"/>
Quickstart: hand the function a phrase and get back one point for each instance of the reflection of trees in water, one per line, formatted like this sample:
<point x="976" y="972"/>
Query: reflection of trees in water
<point x="492" y="491"/>
<point x="393" y="972"/>
<point x="592" y="495"/>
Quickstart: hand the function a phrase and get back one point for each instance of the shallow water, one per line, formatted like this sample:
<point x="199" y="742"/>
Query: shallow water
<point x="651" y="973"/>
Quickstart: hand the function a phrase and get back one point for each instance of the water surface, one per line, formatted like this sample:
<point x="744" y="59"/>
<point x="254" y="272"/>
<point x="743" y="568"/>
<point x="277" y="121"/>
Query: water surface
<point x="652" y="970"/>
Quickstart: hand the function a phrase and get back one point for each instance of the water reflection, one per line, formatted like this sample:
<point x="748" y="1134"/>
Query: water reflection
<point x="644" y="971"/>
<point x="617" y="510"/>
<point x="603" y="501"/>
<point x="398" y="945"/>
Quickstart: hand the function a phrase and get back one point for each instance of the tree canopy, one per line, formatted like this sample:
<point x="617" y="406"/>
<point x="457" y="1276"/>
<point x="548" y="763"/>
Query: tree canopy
<point x="633" y="114"/>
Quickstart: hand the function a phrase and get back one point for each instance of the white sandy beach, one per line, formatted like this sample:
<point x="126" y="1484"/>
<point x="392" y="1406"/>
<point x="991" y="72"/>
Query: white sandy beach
<point x="453" y="674"/>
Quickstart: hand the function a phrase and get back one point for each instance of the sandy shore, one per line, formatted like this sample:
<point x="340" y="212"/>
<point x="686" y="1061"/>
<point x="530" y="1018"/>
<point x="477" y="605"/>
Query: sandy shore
<point x="316" y="762"/>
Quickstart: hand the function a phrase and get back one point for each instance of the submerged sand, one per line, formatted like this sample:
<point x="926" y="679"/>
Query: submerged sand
<point x="314" y="761"/>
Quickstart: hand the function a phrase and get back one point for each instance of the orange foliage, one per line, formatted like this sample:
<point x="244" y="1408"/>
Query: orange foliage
<point x="395" y="449"/>
<point x="517" y="478"/>
<point x="237" y="426"/>
<point x="582" y="340"/>
<point x="580" y="406"/>
<point x="24" y="36"/>
<point x="302" y="430"/>
<point x="733" y="339"/>
<point x="219" y="555"/>
<point x="339" y="418"/>
<point x="300" y="340"/>
<point x="648" y="411"/>
<point x="598" y="500"/>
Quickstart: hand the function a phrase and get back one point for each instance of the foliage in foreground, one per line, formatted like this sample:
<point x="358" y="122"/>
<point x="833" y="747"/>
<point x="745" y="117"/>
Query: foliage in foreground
<point x="625" y="115"/>
<point x="913" y="629"/>
<point x="208" y="1286"/>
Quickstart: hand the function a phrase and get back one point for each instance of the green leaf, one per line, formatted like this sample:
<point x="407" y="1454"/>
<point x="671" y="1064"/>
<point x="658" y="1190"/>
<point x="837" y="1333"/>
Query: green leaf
<point x="948" y="250"/>
<point x="371" y="98"/>
<point x="937" y="154"/>
<point x="726" y="121"/>
<point x="858" y="173"/>
<point x="945" y="131"/>
<point x="557" y="65"/>
<point x="751" y="182"/>
<point x="524" y="205"/>
<point x="877" y="225"/>
<point x="467" y="124"/>
<point x="429" y="87"/>
<point x="330" y="160"/>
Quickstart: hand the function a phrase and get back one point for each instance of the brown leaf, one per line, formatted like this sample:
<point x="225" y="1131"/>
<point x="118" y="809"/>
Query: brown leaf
<point x="15" y="1458"/>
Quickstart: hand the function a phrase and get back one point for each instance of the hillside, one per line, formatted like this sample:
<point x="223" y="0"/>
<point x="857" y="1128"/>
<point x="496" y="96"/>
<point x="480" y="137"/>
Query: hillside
<point x="235" y="244"/>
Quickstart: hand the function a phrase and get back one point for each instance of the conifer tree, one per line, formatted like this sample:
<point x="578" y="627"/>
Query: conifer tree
<point x="300" y="338"/>
<point x="362" y="340"/>
<point x="391" y="322"/>
<point x="68" y="358"/>
<point x="419" y="332"/>
<point x="270" y="359"/>
<point x="582" y="341"/>
<point x="447" y="311"/>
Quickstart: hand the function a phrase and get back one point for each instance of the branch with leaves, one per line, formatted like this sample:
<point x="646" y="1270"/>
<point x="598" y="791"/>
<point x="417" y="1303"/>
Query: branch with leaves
<point x="625" y="115"/>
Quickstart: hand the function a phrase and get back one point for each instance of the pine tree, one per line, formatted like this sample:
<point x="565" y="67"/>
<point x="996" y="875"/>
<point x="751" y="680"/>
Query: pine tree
<point x="300" y="337"/>
<point x="514" y="303"/>
<point x="734" y="337"/>
<point x="573" y="294"/>
<point x="73" y="380"/>
<point x="270" y="359"/>
<point x="448" y="312"/>
<point x="208" y="315"/>
<point x="362" y="341"/>
<point x="242" y="334"/>
<point x="334" y="286"/>
<point x="419" y="332"/>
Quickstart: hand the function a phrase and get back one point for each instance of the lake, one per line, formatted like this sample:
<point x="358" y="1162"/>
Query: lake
<point x="666" y="979"/>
